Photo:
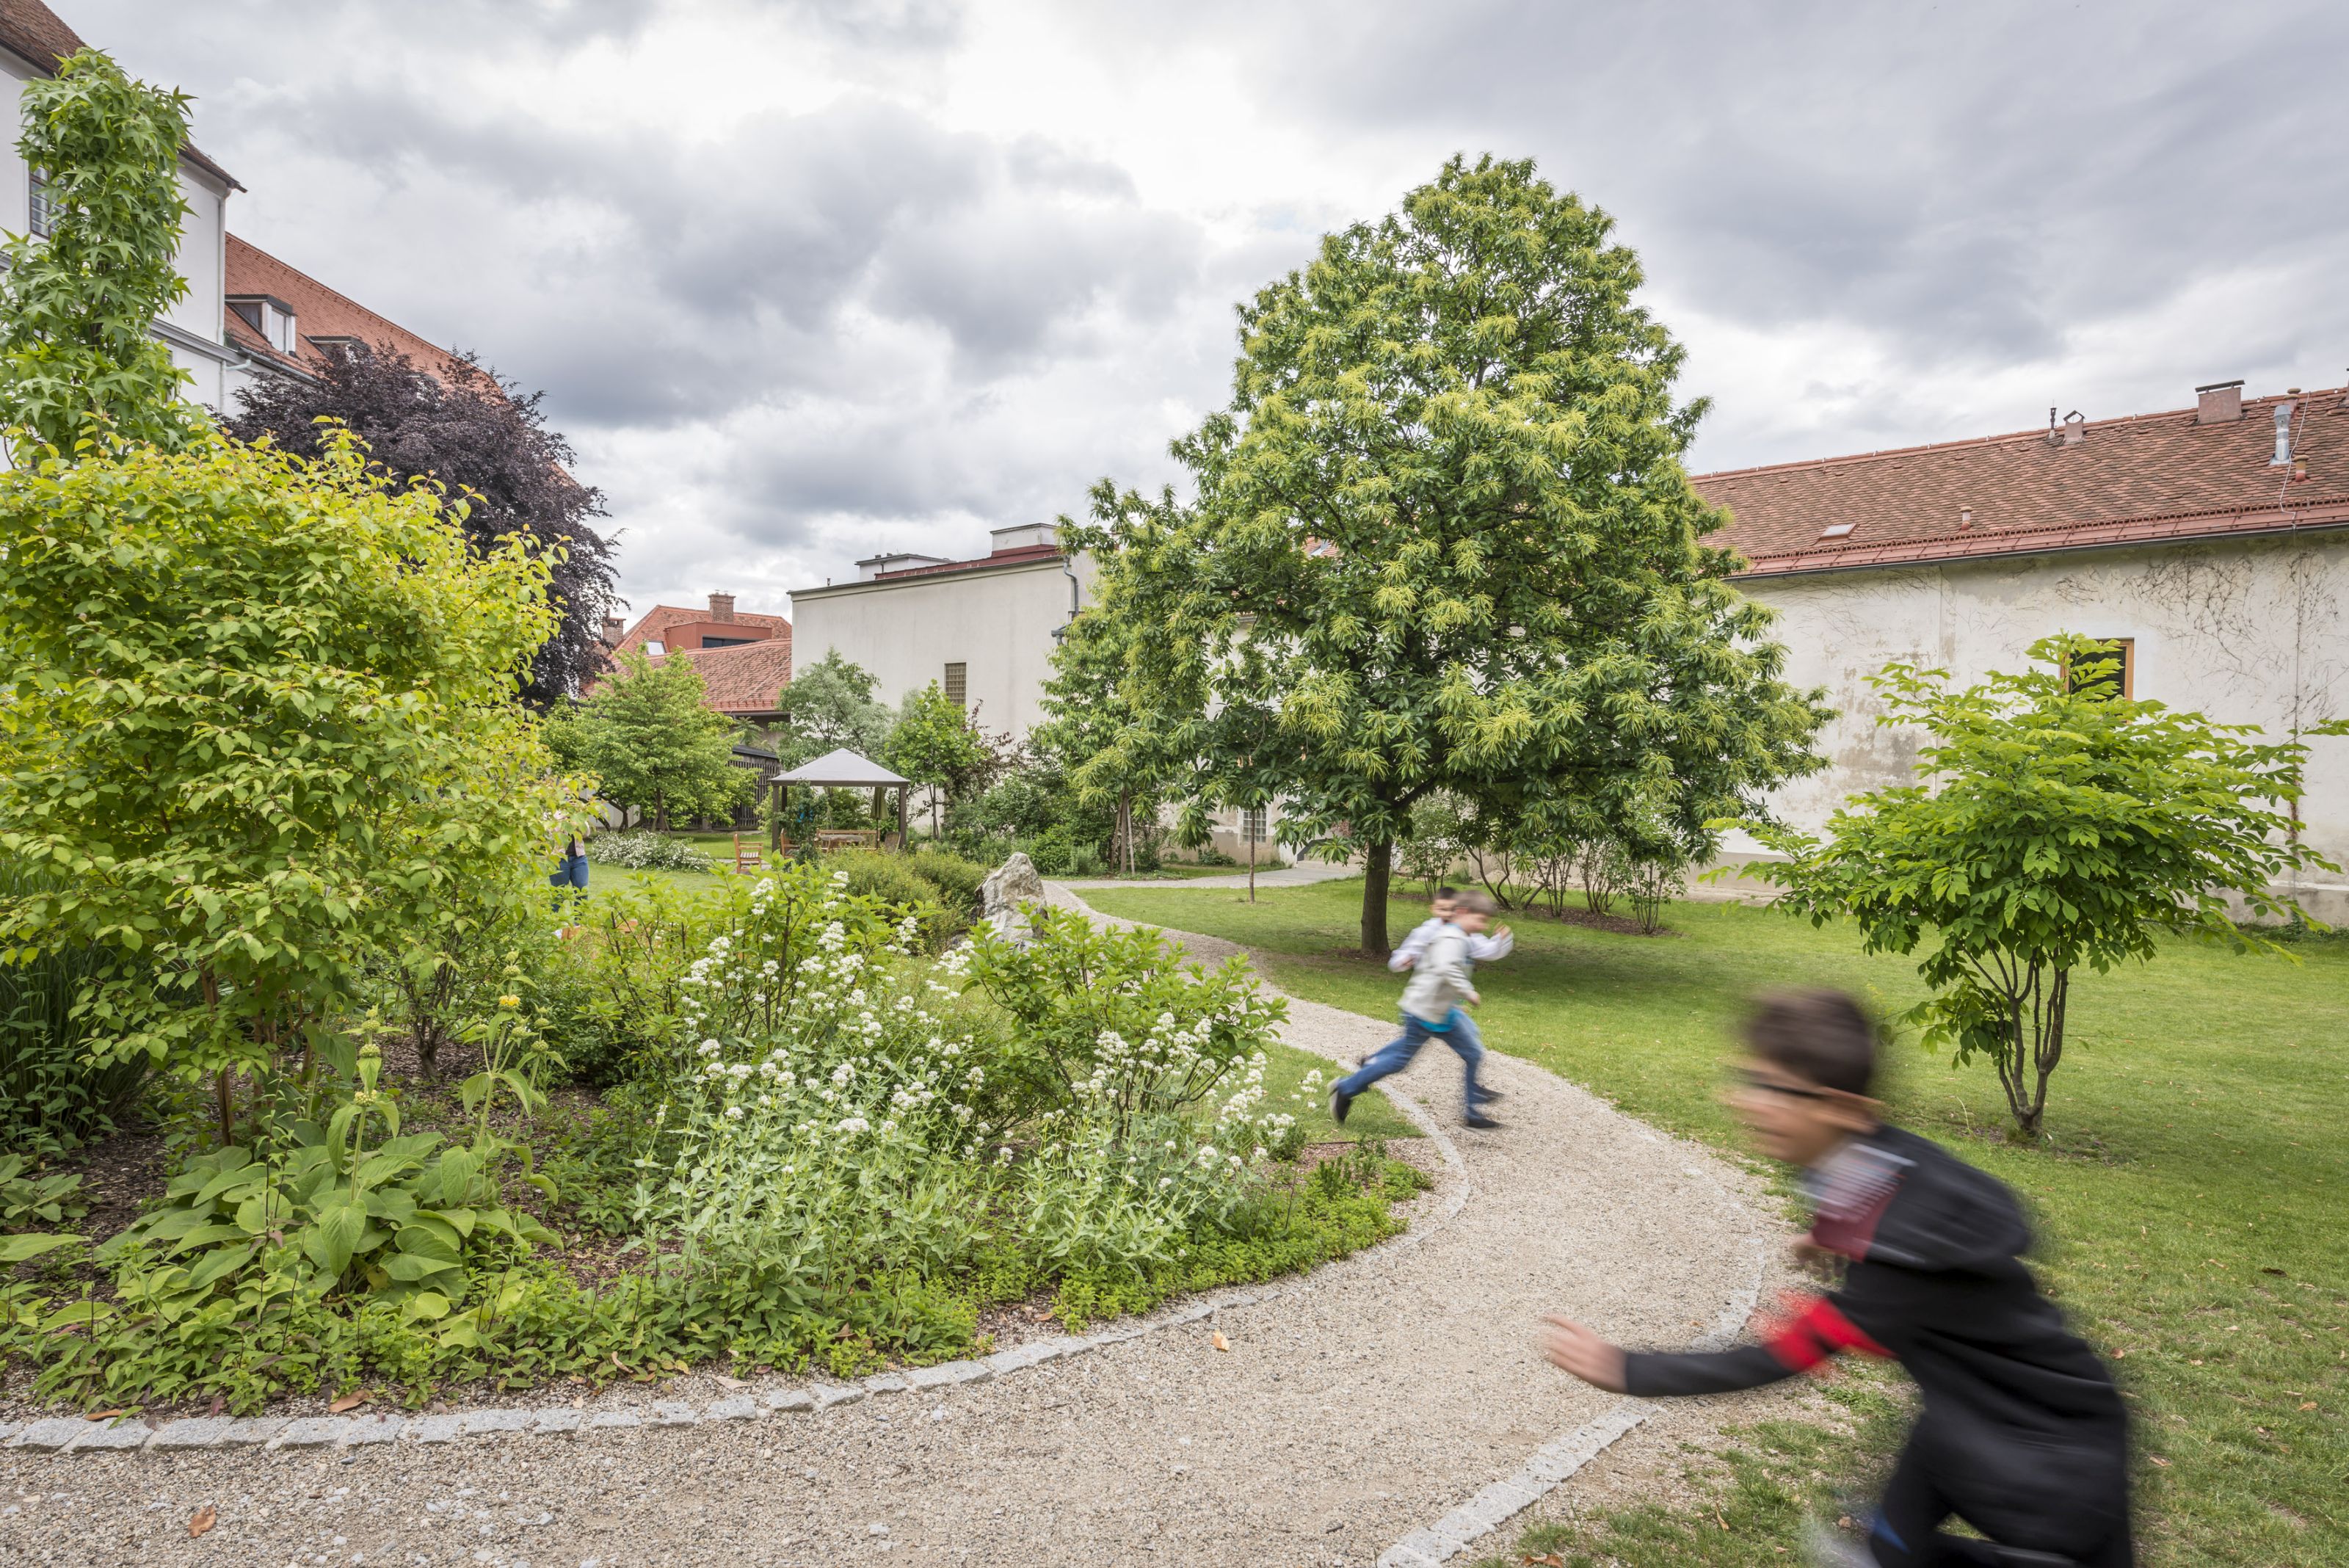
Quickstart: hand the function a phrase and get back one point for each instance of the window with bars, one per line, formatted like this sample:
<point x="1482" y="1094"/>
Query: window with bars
<point x="1252" y="825"/>
<point x="40" y="211"/>
<point x="958" y="685"/>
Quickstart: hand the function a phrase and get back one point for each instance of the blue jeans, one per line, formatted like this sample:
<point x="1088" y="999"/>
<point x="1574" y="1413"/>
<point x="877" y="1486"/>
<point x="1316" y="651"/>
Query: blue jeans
<point x="1457" y="1031"/>
<point x="570" y="873"/>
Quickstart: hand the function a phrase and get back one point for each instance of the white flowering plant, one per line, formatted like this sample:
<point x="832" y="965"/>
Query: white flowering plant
<point x="846" y="1112"/>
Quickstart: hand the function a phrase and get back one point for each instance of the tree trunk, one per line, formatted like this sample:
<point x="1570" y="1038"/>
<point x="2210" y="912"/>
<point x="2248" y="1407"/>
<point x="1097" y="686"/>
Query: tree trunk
<point x="660" y="811"/>
<point x="1378" y="863"/>
<point x="1248" y="833"/>
<point x="224" y="1103"/>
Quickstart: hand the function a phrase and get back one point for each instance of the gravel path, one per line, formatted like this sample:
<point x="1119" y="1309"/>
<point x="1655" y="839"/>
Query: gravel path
<point x="1352" y="1411"/>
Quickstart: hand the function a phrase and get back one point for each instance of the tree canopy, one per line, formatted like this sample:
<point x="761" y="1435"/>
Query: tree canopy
<point x="2062" y="825"/>
<point x="483" y="439"/>
<point x="651" y="743"/>
<point x="78" y="358"/>
<point x="936" y="742"/>
<point x="829" y="706"/>
<point x="1443" y="539"/>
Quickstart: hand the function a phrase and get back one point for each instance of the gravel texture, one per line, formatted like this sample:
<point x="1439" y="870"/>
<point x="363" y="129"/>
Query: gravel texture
<point x="1374" y="1410"/>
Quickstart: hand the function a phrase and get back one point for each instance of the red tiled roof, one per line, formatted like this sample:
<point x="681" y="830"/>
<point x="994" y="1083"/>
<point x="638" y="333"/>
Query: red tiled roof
<point x="744" y="680"/>
<point x="318" y="312"/>
<point x="660" y="618"/>
<point x="2144" y="477"/>
<point x="40" y="36"/>
<point x="1016" y="556"/>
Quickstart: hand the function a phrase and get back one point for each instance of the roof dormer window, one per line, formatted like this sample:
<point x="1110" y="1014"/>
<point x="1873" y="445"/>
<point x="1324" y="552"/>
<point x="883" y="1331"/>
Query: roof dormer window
<point x="271" y="317"/>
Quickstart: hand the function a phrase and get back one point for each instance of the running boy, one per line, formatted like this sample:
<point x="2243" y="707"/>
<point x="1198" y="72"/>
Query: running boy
<point x="1482" y="946"/>
<point x="2023" y="1435"/>
<point x="1440" y="982"/>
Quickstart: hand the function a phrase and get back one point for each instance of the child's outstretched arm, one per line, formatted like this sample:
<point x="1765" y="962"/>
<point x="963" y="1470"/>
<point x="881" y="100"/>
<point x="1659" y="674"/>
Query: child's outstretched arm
<point x="1815" y="1331"/>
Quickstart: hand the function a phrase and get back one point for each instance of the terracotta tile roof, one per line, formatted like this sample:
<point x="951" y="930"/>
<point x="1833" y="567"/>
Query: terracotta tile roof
<point x="40" y="36"/>
<point x="2147" y="476"/>
<point x="660" y="618"/>
<point x="745" y="679"/>
<point x="318" y="312"/>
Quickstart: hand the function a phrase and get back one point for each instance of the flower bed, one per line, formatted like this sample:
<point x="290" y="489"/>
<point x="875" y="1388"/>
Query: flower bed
<point x="822" y="1149"/>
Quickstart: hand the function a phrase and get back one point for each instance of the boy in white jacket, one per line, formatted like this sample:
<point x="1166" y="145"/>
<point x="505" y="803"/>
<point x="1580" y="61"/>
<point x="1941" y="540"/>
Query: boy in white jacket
<point x="1441" y="971"/>
<point x="1483" y="948"/>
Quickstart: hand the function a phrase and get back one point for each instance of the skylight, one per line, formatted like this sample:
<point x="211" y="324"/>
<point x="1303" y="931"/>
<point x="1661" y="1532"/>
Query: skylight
<point x="1834" y="530"/>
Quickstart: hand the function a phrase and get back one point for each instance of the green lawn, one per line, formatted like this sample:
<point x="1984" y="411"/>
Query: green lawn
<point x="2190" y="1201"/>
<point x="1166" y="874"/>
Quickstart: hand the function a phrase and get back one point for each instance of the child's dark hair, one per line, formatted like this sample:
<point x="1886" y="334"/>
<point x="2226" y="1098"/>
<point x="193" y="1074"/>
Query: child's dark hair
<point x="1444" y="893"/>
<point x="1823" y="1037"/>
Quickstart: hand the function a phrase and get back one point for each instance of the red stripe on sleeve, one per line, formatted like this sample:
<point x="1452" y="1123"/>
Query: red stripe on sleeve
<point x="1816" y="1330"/>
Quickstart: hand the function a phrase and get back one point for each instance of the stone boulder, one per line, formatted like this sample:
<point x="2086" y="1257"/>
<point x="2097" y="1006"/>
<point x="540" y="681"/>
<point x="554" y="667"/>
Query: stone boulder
<point x="1008" y="886"/>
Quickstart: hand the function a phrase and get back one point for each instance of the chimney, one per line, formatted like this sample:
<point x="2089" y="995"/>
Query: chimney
<point x="2220" y="403"/>
<point x="721" y="607"/>
<point x="2074" y="428"/>
<point x="613" y="629"/>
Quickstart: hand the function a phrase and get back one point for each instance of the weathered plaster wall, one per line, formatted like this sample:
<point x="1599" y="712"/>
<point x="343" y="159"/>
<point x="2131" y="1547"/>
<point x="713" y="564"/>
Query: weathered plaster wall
<point x="997" y="623"/>
<point x="2248" y="632"/>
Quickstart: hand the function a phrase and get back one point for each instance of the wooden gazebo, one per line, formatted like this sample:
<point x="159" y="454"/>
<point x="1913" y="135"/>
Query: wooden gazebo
<point x="842" y="769"/>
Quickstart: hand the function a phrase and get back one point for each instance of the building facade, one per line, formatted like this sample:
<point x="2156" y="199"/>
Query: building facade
<point x="983" y="629"/>
<point x="2209" y="544"/>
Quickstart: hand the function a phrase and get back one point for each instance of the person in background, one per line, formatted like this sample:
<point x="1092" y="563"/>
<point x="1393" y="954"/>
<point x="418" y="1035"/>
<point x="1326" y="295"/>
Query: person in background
<point x="2023" y="1435"/>
<point x="1483" y="948"/>
<point x="1440" y="978"/>
<point x="570" y="866"/>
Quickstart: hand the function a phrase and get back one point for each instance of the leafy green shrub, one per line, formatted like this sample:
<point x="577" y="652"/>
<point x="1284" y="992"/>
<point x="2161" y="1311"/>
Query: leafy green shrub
<point x="644" y="850"/>
<point x="892" y="879"/>
<point x="52" y="1096"/>
<point x="956" y="878"/>
<point x="28" y="1200"/>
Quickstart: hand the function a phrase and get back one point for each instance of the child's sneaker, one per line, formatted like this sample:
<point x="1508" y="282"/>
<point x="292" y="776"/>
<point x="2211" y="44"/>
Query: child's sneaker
<point x="1341" y="1102"/>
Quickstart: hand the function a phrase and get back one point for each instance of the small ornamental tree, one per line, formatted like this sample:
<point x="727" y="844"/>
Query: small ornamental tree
<point x="257" y="725"/>
<point x="78" y="359"/>
<point x="938" y="742"/>
<point x="1443" y="540"/>
<point x="652" y="743"/>
<point x="1095" y="732"/>
<point x="480" y="438"/>
<point x="828" y="707"/>
<point x="2064" y="826"/>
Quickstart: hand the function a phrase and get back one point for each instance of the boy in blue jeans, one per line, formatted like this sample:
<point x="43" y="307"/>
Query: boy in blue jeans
<point x="1440" y="978"/>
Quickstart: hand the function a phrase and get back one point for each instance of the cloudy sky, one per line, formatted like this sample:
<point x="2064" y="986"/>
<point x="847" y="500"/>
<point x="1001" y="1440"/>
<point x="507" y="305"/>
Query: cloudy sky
<point x="807" y="281"/>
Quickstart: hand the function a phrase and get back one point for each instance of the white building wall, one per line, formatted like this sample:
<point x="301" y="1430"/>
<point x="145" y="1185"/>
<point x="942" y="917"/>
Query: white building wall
<point x="2246" y="632"/>
<point x="997" y="622"/>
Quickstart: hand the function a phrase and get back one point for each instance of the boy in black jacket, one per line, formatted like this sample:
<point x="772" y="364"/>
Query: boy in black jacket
<point x="2023" y="1434"/>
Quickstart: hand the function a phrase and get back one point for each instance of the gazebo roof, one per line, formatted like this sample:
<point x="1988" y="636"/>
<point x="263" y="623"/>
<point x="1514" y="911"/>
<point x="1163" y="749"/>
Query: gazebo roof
<point x="843" y="769"/>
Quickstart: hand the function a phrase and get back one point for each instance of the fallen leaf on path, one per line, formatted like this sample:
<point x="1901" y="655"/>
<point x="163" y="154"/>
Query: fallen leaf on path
<point x="2162" y="1462"/>
<point x="1221" y="1343"/>
<point x="202" y="1520"/>
<point x="104" y="1415"/>
<point x="2308" y="1404"/>
<point x="350" y="1401"/>
<point x="724" y="1381"/>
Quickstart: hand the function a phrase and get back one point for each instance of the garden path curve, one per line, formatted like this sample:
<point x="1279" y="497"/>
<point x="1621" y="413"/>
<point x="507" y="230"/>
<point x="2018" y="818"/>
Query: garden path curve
<point x="1388" y="1409"/>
